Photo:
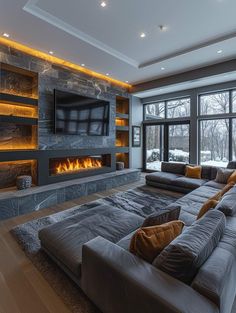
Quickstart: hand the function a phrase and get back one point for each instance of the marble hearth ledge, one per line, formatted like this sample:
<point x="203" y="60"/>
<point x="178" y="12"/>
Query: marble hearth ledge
<point x="18" y="202"/>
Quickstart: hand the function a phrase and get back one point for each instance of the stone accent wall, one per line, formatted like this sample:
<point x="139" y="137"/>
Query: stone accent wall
<point x="50" y="77"/>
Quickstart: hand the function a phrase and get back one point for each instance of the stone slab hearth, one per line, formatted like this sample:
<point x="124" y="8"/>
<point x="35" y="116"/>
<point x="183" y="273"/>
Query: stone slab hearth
<point x="17" y="202"/>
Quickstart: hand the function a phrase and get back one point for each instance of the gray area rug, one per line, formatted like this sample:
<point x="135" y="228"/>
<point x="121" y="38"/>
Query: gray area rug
<point x="141" y="201"/>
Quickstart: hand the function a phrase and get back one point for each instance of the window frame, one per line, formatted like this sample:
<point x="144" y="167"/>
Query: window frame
<point x="230" y="116"/>
<point x="165" y="101"/>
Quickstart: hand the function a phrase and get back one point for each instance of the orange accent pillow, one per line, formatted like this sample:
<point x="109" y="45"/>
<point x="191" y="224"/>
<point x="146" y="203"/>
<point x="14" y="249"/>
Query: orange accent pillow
<point x="193" y="171"/>
<point x="209" y="204"/>
<point x="148" y="242"/>
<point x="227" y="188"/>
<point x="232" y="178"/>
<point x="217" y="196"/>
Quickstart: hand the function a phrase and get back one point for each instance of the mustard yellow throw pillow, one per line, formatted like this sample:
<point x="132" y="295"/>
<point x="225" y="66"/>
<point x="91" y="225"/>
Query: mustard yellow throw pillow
<point x="193" y="171"/>
<point x="148" y="242"/>
<point x="209" y="204"/>
<point x="232" y="178"/>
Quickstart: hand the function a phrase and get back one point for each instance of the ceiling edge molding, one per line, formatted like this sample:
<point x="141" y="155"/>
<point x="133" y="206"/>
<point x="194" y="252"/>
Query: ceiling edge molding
<point x="202" y="72"/>
<point x="193" y="48"/>
<point x="32" y="8"/>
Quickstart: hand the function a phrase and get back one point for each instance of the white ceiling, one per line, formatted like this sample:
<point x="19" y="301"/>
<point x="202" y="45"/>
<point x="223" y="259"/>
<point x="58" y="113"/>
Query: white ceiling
<point x="108" y="40"/>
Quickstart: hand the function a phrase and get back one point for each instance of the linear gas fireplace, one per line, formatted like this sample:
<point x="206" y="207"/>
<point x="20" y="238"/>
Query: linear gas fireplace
<point x="80" y="164"/>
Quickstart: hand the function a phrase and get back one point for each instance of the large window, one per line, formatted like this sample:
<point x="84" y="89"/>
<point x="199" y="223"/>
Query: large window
<point x="217" y="135"/>
<point x="154" y="146"/>
<point x="234" y="139"/>
<point x="167" y="109"/>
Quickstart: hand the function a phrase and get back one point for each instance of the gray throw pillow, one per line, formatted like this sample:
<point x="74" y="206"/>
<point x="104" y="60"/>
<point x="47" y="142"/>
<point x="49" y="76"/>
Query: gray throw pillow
<point x="185" y="255"/>
<point x="223" y="175"/>
<point x="170" y="213"/>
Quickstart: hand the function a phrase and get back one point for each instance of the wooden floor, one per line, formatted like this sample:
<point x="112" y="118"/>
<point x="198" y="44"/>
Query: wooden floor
<point x="22" y="287"/>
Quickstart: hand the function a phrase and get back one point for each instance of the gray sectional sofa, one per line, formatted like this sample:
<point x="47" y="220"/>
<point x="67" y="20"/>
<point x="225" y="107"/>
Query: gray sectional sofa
<point x="92" y="247"/>
<point x="172" y="177"/>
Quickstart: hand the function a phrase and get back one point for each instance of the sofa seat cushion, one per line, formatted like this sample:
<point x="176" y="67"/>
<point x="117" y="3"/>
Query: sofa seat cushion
<point x="183" y="257"/>
<point x="190" y="183"/>
<point x="162" y="177"/>
<point x="216" y="279"/>
<point x="215" y="185"/>
<point x="228" y="241"/>
<point x="64" y="240"/>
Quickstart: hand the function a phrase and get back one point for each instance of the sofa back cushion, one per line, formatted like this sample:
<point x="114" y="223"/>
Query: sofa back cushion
<point x="183" y="257"/>
<point x="175" y="168"/>
<point x="227" y="205"/>
<point x="206" y="172"/>
<point x="232" y="165"/>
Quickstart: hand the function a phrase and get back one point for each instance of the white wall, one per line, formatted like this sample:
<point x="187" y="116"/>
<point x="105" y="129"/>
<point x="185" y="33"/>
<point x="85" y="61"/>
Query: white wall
<point x="136" y="120"/>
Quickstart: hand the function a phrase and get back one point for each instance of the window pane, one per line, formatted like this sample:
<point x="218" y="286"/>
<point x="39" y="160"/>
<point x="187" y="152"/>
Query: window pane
<point x="214" y="142"/>
<point x="234" y="139"/>
<point x="155" y="111"/>
<point x="154" y="146"/>
<point x="216" y="103"/>
<point x="178" y="108"/>
<point x="234" y="100"/>
<point x="179" y="143"/>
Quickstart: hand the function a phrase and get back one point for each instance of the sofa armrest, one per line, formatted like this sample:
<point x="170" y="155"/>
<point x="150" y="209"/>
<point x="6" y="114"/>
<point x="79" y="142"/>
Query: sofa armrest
<point x="118" y="281"/>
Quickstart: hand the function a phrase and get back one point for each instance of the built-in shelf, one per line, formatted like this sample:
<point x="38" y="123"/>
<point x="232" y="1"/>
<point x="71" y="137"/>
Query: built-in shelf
<point x="14" y="99"/>
<point x="122" y="128"/>
<point x="18" y="120"/>
<point x="122" y="116"/>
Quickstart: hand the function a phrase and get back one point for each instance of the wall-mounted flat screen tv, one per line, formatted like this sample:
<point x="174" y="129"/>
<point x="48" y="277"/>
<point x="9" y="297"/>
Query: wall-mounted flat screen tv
<point x="80" y="115"/>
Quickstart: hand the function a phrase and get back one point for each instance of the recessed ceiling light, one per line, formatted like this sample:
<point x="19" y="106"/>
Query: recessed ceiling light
<point x="162" y="28"/>
<point x="6" y="35"/>
<point x="126" y="81"/>
<point x="163" y="68"/>
<point x="142" y="35"/>
<point x="219" y="51"/>
<point x="107" y="74"/>
<point x="51" y="52"/>
<point x="82" y="64"/>
<point x="103" y="4"/>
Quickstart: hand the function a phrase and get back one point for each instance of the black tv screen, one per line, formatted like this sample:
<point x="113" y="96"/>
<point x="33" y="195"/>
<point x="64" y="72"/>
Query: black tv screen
<point x="79" y="115"/>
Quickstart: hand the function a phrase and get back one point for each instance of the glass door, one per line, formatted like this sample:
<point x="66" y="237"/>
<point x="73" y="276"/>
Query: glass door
<point x="178" y="143"/>
<point x="165" y="142"/>
<point x="154" y="147"/>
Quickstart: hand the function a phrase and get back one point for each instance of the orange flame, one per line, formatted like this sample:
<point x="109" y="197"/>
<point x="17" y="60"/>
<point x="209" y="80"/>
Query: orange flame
<point x="77" y="164"/>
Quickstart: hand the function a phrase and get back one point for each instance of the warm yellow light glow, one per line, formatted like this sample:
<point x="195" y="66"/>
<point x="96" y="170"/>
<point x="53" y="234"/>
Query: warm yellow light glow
<point x="17" y="146"/>
<point x="19" y="93"/>
<point x="18" y="110"/>
<point x="61" y="62"/>
<point x="121" y="122"/>
<point x="78" y="164"/>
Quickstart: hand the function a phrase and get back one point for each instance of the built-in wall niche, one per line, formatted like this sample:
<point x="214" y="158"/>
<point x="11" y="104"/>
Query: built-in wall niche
<point x="122" y="138"/>
<point x="122" y="122"/>
<point x="18" y="136"/>
<point x="123" y="157"/>
<point x="18" y="82"/>
<point x="18" y="110"/>
<point x="11" y="169"/>
<point x="122" y="105"/>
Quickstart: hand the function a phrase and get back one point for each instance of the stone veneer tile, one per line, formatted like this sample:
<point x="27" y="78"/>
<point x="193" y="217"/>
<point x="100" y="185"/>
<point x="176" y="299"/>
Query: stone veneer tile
<point x="8" y="208"/>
